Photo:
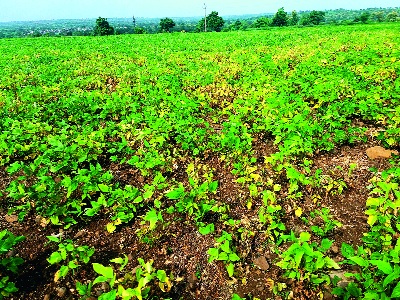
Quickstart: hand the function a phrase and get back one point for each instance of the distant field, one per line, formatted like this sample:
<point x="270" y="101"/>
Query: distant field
<point x="201" y="166"/>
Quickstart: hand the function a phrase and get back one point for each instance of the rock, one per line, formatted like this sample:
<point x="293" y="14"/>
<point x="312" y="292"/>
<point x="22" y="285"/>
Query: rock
<point x="380" y="152"/>
<point x="80" y="233"/>
<point x="335" y="249"/>
<point x="262" y="263"/>
<point x="344" y="281"/>
<point x="328" y="296"/>
<point x="11" y="218"/>
<point x="192" y="279"/>
<point x="61" y="292"/>
<point x="46" y="297"/>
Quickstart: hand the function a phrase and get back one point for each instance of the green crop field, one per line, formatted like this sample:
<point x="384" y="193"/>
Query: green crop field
<point x="201" y="166"/>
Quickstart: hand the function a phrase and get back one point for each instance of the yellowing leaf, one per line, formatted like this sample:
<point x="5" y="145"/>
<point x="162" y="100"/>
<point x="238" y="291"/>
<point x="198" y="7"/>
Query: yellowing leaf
<point x="249" y="205"/>
<point x="111" y="227"/>
<point x="298" y="212"/>
<point x="372" y="219"/>
<point x="57" y="276"/>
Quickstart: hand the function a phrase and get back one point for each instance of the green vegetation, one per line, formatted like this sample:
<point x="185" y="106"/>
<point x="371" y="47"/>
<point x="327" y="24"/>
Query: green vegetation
<point x="103" y="27"/>
<point x="166" y="24"/>
<point x="218" y="133"/>
<point x="214" y="23"/>
<point x="85" y="27"/>
<point x="8" y="264"/>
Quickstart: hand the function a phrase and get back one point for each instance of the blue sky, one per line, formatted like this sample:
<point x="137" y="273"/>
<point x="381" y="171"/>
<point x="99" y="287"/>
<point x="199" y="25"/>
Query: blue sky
<point x="30" y="10"/>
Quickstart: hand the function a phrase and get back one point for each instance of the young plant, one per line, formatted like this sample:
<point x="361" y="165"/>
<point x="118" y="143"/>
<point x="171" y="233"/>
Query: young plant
<point x="8" y="264"/>
<point x="329" y="224"/>
<point x="122" y="287"/>
<point x="378" y="276"/>
<point x="307" y="261"/>
<point x="224" y="252"/>
<point x="70" y="255"/>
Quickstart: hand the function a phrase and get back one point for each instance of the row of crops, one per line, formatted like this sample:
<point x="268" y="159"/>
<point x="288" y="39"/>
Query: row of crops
<point x="185" y="116"/>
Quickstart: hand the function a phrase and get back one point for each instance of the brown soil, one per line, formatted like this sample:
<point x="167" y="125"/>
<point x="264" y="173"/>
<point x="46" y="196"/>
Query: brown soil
<point x="179" y="248"/>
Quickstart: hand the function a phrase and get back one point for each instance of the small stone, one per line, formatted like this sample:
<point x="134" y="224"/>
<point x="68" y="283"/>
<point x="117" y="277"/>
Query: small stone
<point x="11" y="218"/>
<point x="380" y="152"/>
<point x="344" y="281"/>
<point x="61" y="292"/>
<point x="262" y="263"/>
<point x="335" y="249"/>
<point x="46" y="297"/>
<point x="192" y="279"/>
<point x="38" y="219"/>
<point x="80" y="233"/>
<point x="327" y="296"/>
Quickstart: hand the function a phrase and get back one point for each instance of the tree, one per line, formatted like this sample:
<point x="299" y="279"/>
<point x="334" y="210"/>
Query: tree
<point x="214" y="23"/>
<point x="281" y="18"/>
<point x="364" y="17"/>
<point x="237" y="25"/>
<point x="317" y="17"/>
<point x="379" y="16"/>
<point x="262" y="22"/>
<point x="167" y="24"/>
<point x="103" y="27"/>
<point x="139" y="30"/>
<point x="294" y="19"/>
<point x="392" y="16"/>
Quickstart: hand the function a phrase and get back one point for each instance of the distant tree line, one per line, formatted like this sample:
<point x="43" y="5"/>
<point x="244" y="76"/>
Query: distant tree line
<point x="281" y="18"/>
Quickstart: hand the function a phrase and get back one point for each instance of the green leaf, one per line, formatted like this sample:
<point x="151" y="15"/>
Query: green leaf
<point x="73" y="265"/>
<point x="304" y="236"/>
<point x="176" y="193"/>
<point x="14" y="167"/>
<point x="359" y="261"/>
<point x="396" y="291"/>
<point x="100" y="279"/>
<point x="390" y="278"/>
<point x="81" y="288"/>
<point x="325" y="245"/>
<point x="330" y="263"/>
<point x="384" y="266"/>
<point x="234" y="257"/>
<point x="103" y="188"/>
<point x="53" y="239"/>
<point x="55" y="258"/>
<point x="213" y="252"/>
<point x="297" y="257"/>
<point x="152" y="216"/>
<point x="122" y="261"/>
<point x="111" y="295"/>
<point x="213" y="186"/>
<point x="64" y="271"/>
<point x="148" y="194"/>
<point x="223" y="256"/>
<point x="225" y="247"/>
<point x="347" y="250"/>
<point x="207" y="229"/>
<point x="230" y="268"/>
<point x="161" y="275"/>
<point x="104" y="271"/>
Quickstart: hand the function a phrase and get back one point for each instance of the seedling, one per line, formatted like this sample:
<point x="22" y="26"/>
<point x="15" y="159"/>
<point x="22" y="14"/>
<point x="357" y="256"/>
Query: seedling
<point x="8" y="264"/>
<point x="224" y="252"/>
<point x="69" y="255"/>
